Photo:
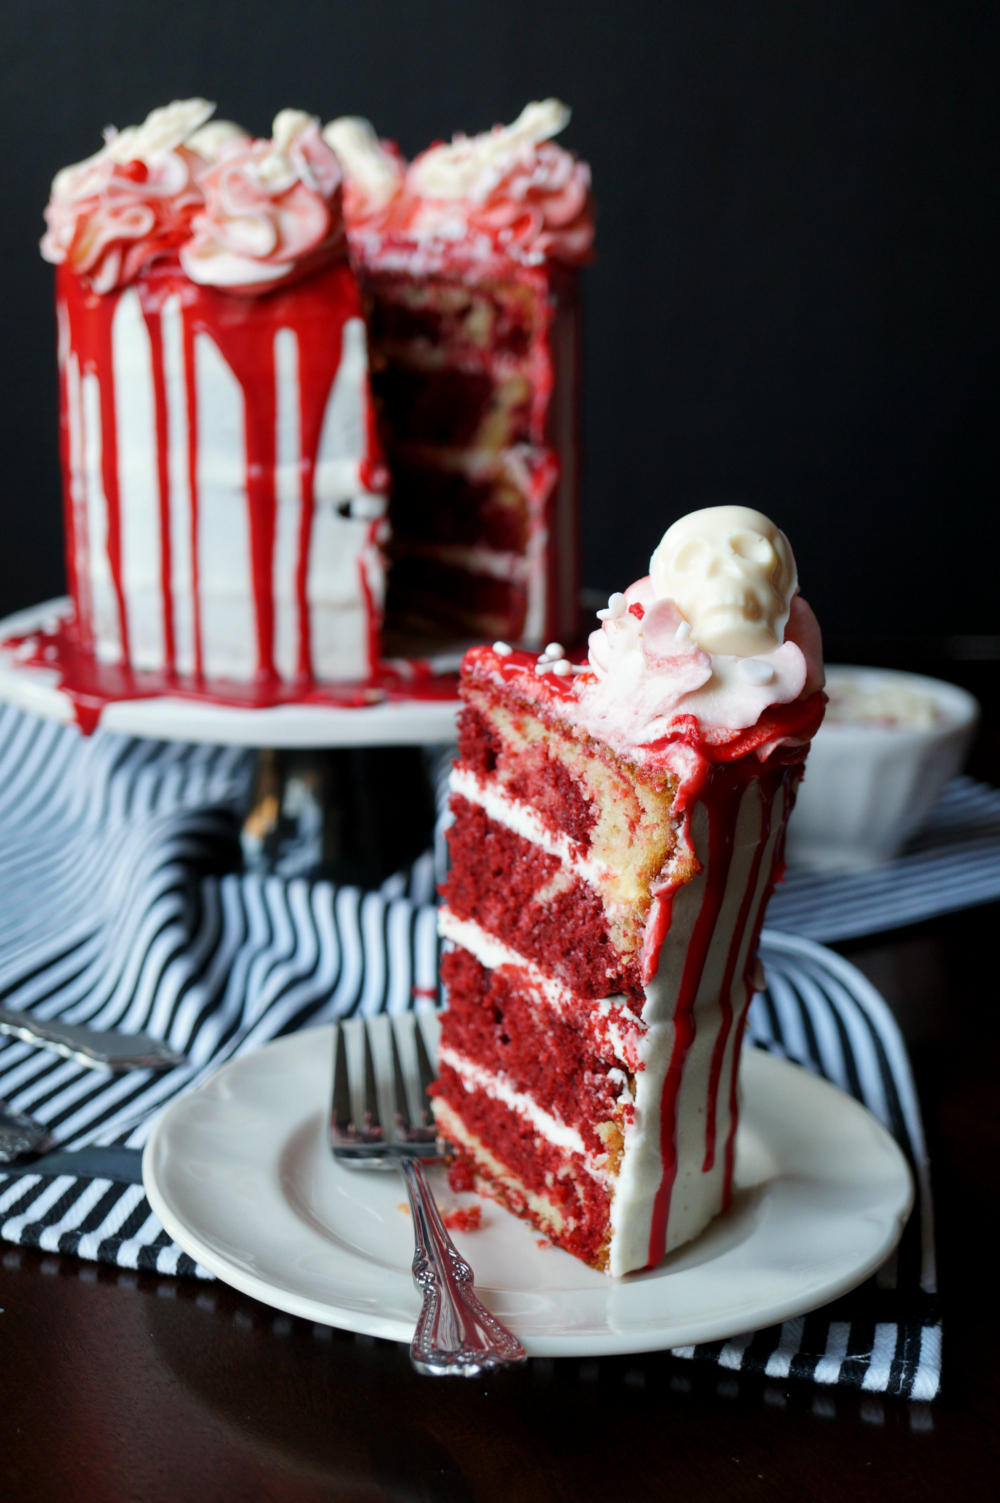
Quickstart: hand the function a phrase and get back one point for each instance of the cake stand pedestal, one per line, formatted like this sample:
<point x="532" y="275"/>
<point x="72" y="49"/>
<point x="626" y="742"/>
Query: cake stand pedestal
<point x="340" y="791"/>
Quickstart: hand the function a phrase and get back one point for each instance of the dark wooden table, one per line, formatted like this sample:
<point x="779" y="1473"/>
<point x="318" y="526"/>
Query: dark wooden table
<point x="121" y="1386"/>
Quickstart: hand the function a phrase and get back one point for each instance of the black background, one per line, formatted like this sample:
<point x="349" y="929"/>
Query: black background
<point x="795" y="299"/>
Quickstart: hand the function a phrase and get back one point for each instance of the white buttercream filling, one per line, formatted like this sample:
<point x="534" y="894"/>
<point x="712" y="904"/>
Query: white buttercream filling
<point x="523" y="821"/>
<point x="552" y="1129"/>
<point x="613" y="1012"/>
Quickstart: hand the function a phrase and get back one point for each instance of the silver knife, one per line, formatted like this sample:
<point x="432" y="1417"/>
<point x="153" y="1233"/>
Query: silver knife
<point x="90" y="1046"/>
<point x="124" y="1165"/>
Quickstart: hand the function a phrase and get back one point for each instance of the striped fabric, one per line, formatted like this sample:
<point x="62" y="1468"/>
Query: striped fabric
<point x="819" y="1011"/>
<point x="117" y="909"/>
<point x="954" y="862"/>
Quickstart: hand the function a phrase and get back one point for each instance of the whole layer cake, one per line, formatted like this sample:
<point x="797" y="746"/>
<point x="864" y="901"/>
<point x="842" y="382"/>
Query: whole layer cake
<point x="224" y="484"/>
<point x="618" y="829"/>
<point x="468" y="257"/>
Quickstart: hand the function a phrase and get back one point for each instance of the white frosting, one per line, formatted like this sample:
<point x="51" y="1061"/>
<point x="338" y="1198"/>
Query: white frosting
<point x="476" y="1078"/>
<point x="510" y="189"/>
<point x="241" y="214"/>
<point x="217" y="558"/>
<point x="374" y="172"/>
<point x="161" y="132"/>
<point x="473" y="558"/>
<point x="492" y="952"/>
<point x="209" y="139"/>
<point x="472" y="166"/>
<point x="696" y="1196"/>
<point x="522" y="820"/>
<point x="736" y="577"/>
<point x="113" y="213"/>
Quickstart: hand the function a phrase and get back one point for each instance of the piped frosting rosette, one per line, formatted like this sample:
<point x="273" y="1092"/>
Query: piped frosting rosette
<point x="241" y="214"/>
<point x="272" y="210"/>
<point x="132" y="202"/>
<point x="511" y="189"/>
<point x="652" y="664"/>
<point x="512" y="182"/>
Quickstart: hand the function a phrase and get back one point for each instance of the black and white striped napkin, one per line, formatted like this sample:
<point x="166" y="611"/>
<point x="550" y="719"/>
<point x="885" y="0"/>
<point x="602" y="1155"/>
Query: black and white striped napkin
<point x="113" y="912"/>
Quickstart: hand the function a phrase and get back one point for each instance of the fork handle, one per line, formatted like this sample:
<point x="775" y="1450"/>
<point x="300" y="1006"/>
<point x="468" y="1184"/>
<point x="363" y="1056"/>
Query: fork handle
<point x="455" y="1333"/>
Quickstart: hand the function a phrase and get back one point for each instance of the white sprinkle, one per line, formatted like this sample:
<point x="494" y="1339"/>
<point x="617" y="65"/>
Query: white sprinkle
<point x="617" y="605"/>
<point x="554" y="650"/>
<point x="542" y="667"/>
<point x="754" y="671"/>
<point x="502" y="649"/>
<point x="603" y="615"/>
<point x="683" y="631"/>
<point x="564" y="667"/>
<point x="580" y="667"/>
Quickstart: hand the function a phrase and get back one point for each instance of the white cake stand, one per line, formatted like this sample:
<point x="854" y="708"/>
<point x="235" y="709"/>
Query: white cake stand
<point x="410" y="722"/>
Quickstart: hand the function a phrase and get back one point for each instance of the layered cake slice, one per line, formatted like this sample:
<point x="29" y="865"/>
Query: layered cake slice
<point x="224" y="485"/>
<point x="469" y="259"/>
<point x="618" y="828"/>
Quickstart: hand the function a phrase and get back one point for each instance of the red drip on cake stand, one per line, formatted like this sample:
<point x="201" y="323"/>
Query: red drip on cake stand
<point x="341" y="788"/>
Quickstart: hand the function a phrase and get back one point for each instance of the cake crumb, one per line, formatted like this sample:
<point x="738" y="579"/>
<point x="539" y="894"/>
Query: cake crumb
<point x="460" y="1175"/>
<point x="463" y="1219"/>
<point x="404" y="1208"/>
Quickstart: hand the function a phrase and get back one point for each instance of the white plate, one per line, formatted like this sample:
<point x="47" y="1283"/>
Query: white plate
<point x="239" y="1174"/>
<point x="411" y="722"/>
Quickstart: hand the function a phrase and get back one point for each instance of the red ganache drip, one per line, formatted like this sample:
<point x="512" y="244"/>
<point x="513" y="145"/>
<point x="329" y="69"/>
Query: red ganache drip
<point x="243" y="328"/>
<point x="91" y="685"/>
<point x="721" y="794"/>
<point x="725" y="992"/>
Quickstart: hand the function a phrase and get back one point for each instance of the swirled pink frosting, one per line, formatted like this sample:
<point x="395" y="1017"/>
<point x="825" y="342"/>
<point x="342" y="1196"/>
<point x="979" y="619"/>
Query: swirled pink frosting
<point x="131" y="203"/>
<point x="272" y="210"/>
<point x="540" y="206"/>
<point x="240" y="214"/>
<point x="510" y="190"/>
<point x="648" y="671"/>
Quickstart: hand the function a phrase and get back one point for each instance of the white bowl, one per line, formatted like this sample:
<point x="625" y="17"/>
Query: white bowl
<point x="868" y="787"/>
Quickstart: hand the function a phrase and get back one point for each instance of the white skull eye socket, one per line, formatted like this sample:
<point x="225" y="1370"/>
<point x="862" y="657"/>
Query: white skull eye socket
<point x="692" y="556"/>
<point x="753" y="548"/>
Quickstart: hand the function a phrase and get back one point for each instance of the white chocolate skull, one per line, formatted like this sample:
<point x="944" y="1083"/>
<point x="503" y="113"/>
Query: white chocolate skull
<point x="732" y="575"/>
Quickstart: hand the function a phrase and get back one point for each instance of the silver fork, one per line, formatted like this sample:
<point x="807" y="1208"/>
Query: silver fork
<point x="455" y="1334"/>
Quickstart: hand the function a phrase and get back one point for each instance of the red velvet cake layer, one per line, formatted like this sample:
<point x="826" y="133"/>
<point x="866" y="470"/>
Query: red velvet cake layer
<point x="494" y="1019"/>
<point x="488" y="319"/>
<point x="477" y="603"/>
<point x="520" y="893"/>
<point x="450" y="508"/>
<point x="559" y="1178"/>
<point x="437" y="407"/>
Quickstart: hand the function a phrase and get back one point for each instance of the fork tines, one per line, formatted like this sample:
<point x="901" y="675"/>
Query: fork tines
<point x="361" y="1137"/>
